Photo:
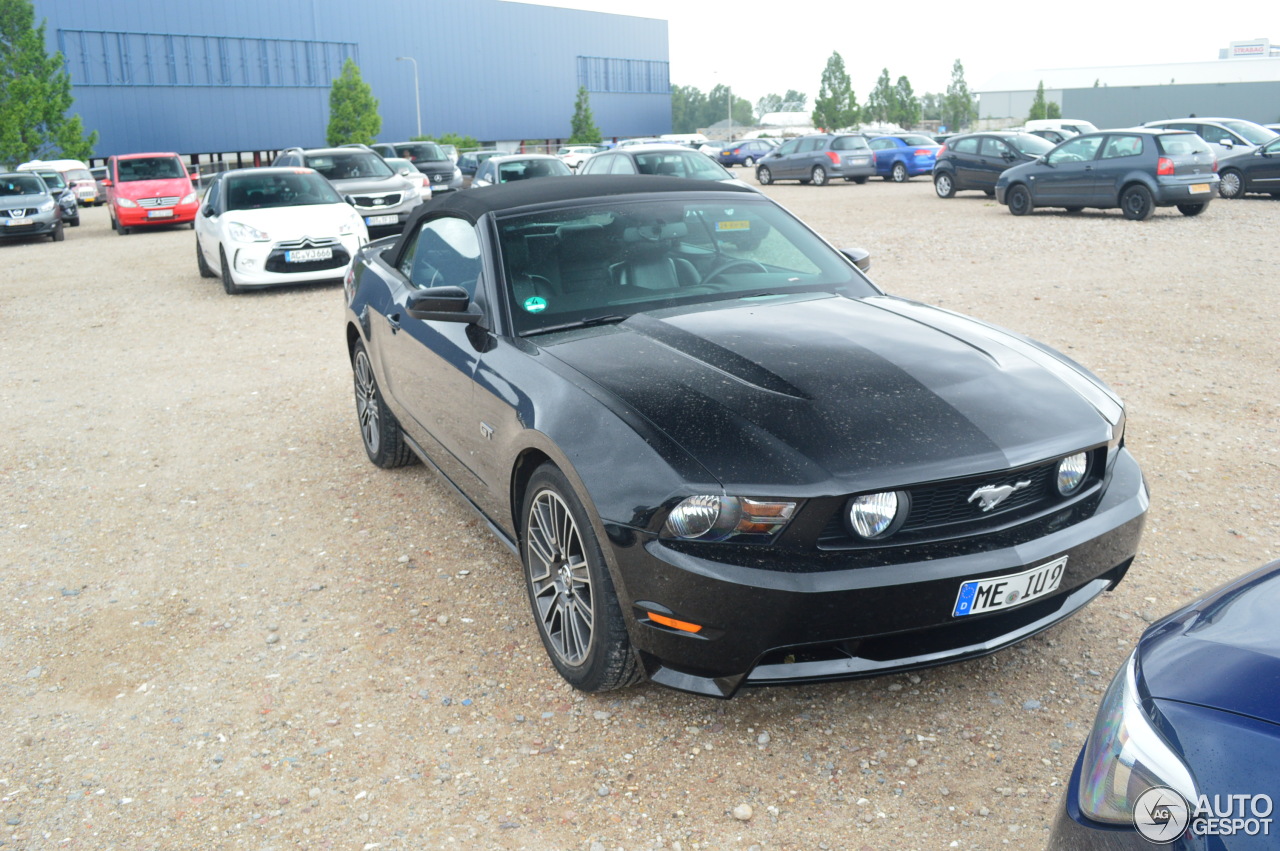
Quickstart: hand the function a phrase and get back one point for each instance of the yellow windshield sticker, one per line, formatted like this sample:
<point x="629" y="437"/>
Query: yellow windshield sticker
<point x="742" y="225"/>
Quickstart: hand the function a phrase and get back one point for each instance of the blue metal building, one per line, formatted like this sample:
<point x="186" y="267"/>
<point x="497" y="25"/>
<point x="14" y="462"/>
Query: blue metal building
<point x="240" y="75"/>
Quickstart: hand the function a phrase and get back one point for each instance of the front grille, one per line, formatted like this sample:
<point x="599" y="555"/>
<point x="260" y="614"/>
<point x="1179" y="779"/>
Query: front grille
<point x="376" y="201"/>
<point x="309" y="242"/>
<point x="18" y="213"/>
<point x="947" y="509"/>
<point x="158" y="202"/>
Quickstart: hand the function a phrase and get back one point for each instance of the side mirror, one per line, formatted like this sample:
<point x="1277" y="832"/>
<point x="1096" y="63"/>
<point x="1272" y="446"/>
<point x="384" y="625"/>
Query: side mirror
<point x="106" y="181"/>
<point x="349" y="200"/>
<point x="208" y="212"/>
<point x="859" y="257"/>
<point x="1227" y="143"/>
<point x="1009" y="156"/>
<point x="443" y="304"/>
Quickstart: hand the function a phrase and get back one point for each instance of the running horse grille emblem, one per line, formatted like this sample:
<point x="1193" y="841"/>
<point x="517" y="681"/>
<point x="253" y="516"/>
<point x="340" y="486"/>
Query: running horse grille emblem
<point x="990" y="495"/>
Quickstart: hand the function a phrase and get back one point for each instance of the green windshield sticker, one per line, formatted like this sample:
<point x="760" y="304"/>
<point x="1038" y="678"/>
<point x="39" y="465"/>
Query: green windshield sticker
<point x="535" y="304"/>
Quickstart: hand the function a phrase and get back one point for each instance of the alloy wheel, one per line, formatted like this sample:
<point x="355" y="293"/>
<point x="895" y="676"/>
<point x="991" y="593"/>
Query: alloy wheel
<point x="559" y="578"/>
<point x="367" y="403"/>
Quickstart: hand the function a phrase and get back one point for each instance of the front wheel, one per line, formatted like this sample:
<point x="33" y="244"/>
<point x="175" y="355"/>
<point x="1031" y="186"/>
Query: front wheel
<point x="384" y="443"/>
<point x="228" y="281"/>
<point x="570" y="591"/>
<point x="1136" y="203"/>
<point x="764" y="176"/>
<point x="1231" y="184"/>
<point x="205" y="271"/>
<point x="818" y="176"/>
<point x="1019" y="200"/>
<point x="899" y="173"/>
<point x="944" y="185"/>
<point x="1192" y="209"/>
<point x="58" y="235"/>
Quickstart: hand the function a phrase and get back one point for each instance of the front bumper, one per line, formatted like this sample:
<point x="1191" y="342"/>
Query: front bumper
<point x="261" y="264"/>
<point x="178" y="214"/>
<point x="768" y="626"/>
<point x="402" y="213"/>
<point x="38" y="224"/>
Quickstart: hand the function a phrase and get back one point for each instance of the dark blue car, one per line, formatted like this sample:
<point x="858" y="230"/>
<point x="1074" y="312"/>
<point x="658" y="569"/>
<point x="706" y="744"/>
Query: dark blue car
<point x="902" y="157"/>
<point x="1185" y="751"/>
<point x="744" y="153"/>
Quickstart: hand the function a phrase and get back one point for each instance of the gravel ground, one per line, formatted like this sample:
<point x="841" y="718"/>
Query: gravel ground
<point x="224" y="628"/>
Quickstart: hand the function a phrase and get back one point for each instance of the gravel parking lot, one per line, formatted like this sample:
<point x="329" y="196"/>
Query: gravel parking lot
<point x="224" y="628"/>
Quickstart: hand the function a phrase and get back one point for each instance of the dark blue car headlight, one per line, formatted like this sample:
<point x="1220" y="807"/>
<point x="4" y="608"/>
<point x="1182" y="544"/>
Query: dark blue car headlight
<point x="1126" y="755"/>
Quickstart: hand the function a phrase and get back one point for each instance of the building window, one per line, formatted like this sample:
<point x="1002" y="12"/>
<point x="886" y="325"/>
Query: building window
<point x="645" y="76"/>
<point x="102" y="58"/>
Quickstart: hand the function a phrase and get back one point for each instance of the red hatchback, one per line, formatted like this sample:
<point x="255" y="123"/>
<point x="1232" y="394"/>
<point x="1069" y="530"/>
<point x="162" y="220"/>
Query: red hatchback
<point x="149" y="189"/>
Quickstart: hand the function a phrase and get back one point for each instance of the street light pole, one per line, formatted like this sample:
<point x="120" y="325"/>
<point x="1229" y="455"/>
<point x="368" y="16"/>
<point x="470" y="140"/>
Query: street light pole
<point x="729" y="89"/>
<point x="417" y="101"/>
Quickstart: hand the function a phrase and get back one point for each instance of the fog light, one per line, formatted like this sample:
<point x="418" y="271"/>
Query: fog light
<point x="874" y="515"/>
<point x="1071" y="472"/>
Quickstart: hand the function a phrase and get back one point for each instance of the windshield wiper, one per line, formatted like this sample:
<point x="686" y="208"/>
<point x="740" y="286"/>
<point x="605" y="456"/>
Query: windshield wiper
<point x="609" y="319"/>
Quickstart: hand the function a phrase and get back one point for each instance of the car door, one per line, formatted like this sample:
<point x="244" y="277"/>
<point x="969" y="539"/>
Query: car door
<point x="208" y="225"/>
<point x="1067" y="177"/>
<point x="963" y="155"/>
<point x="430" y="364"/>
<point x="884" y="149"/>
<point x="1262" y="172"/>
<point x="783" y="165"/>
<point x="994" y="156"/>
<point x="1120" y="155"/>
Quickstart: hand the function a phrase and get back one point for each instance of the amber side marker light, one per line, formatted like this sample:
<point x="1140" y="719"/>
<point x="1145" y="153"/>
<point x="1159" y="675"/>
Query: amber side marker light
<point x="683" y="626"/>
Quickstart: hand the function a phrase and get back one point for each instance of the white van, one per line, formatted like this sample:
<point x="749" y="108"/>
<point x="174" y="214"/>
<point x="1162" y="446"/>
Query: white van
<point x="77" y="176"/>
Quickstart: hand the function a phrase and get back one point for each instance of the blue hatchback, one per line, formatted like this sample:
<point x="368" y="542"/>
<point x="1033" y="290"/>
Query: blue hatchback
<point x="900" y="158"/>
<point x="1185" y="751"/>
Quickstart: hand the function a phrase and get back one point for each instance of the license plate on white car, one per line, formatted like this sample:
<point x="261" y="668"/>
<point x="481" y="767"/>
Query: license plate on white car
<point x="1013" y="589"/>
<point x="159" y="214"/>
<point x="307" y="255"/>
<point x="374" y="221"/>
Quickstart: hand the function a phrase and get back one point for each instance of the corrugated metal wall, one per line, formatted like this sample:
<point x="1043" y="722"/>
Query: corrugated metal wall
<point x="1127" y="106"/>
<point x="240" y="75"/>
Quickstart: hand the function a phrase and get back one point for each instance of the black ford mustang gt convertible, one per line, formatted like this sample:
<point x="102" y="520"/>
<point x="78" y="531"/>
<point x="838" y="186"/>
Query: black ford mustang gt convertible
<point x="729" y="461"/>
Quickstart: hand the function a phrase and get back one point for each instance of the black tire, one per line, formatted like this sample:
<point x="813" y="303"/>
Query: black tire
<point x="75" y="222"/>
<point x="571" y="593"/>
<point x="859" y="180"/>
<point x="58" y="233"/>
<point x="748" y="162"/>
<point x="1018" y="200"/>
<point x="120" y="229"/>
<point x="1073" y="209"/>
<point x="764" y="176"/>
<point x="205" y="271"/>
<point x="1192" y="209"/>
<point x="990" y="193"/>
<point x="1136" y="203"/>
<point x="818" y="176"/>
<point x="944" y="184"/>
<point x="380" y="432"/>
<point x="1231" y="184"/>
<point x="228" y="281"/>
<point x="899" y="173"/>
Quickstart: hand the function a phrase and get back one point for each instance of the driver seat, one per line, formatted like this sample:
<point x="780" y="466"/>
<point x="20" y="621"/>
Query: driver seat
<point x="649" y="264"/>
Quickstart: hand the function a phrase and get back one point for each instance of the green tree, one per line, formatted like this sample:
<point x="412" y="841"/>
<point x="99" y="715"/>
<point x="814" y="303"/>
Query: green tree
<point x="1038" y="106"/>
<point x="353" y="110"/>
<point x="717" y="108"/>
<point x="931" y="106"/>
<point x="767" y="104"/>
<point x="794" y="101"/>
<point x="836" y="106"/>
<point x="958" y="108"/>
<point x="35" y="93"/>
<point x="882" y="102"/>
<point x="462" y="143"/>
<point x="906" y="104"/>
<point x="688" y="104"/>
<point x="1053" y="110"/>
<point x="584" y="129"/>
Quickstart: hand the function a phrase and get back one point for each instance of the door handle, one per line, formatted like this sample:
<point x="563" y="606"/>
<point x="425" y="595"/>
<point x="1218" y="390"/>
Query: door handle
<point x="394" y="322"/>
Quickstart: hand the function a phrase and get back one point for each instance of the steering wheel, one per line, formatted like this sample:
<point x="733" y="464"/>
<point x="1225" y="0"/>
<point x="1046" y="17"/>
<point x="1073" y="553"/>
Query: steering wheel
<point x="751" y="265"/>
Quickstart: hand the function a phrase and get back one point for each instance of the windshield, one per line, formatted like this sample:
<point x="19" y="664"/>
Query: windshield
<point x="614" y="259"/>
<point x="348" y="165"/>
<point x="1254" y="134"/>
<point x="526" y="169"/>
<point x="296" y="189"/>
<point x="918" y="140"/>
<point x="421" y="152"/>
<point x="1030" y="145"/>
<point x="52" y="179"/>
<point x="680" y="164"/>
<point x="79" y="174"/>
<point x="21" y="184"/>
<point x="150" y="168"/>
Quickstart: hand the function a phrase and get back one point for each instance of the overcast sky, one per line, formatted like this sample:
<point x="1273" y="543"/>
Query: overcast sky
<point x="763" y="46"/>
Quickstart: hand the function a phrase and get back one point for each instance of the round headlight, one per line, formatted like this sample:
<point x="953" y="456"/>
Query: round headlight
<point x="1071" y="472"/>
<point x="872" y="515"/>
<point x="695" y="516"/>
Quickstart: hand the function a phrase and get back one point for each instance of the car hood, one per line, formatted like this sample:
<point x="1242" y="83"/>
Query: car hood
<point x="319" y="221"/>
<point x="1221" y="651"/>
<point x="814" y="392"/>
<point x="430" y="167"/>
<point x="167" y="188"/>
<point x="13" y="202"/>
<point x="371" y="185"/>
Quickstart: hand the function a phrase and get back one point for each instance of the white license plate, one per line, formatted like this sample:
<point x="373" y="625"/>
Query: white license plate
<point x="306" y="255"/>
<point x="159" y="214"/>
<point x="1014" y="589"/>
<point x="374" y="221"/>
<point x="1198" y="188"/>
